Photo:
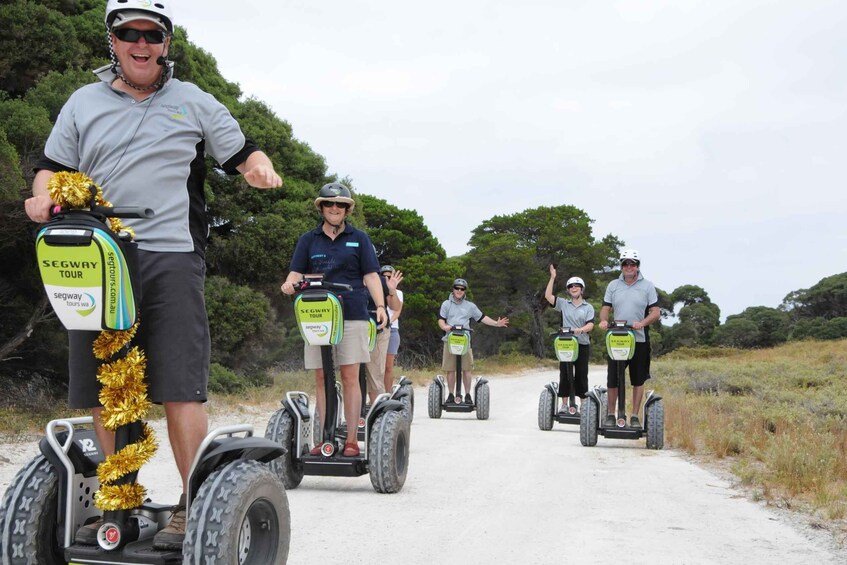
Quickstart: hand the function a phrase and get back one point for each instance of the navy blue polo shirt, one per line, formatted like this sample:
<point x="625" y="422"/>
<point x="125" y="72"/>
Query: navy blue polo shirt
<point x="345" y="260"/>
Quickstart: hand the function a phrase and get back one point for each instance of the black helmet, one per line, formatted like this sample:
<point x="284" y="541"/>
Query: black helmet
<point x="386" y="269"/>
<point x="335" y="192"/>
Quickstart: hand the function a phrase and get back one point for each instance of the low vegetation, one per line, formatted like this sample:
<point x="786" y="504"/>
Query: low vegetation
<point x="777" y="418"/>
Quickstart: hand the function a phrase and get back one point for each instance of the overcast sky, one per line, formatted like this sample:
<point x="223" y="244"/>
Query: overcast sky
<point x="711" y="136"/>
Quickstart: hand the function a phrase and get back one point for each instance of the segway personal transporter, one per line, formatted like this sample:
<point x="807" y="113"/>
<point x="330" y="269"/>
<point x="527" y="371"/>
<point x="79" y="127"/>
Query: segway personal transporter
<point x="237" y="508"/>
<point x="385" y="456"/>
<point x="402" y="391"/>
<point x="566" y="347"/>
<point x="620" y="345"/>
<point x="458" y="342"/>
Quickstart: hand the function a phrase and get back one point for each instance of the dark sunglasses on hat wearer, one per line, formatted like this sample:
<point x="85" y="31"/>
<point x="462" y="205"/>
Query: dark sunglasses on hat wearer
<point x="331" y="203"/>
<point x="131" y="35"/>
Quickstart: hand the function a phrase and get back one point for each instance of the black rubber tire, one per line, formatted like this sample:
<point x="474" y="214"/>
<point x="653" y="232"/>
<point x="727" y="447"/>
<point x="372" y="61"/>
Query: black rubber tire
<point x="240" y="515"/>
<point x="281" y="430"/>
<point x="28" y="523"/>
<point x="483" y="401"/>
<point x="409" y="403"/>
<point x="388" y="452"/>
<point x="546" y="406"/>
<point x="654" y="423"/>
<point x="434" y="404"/>
<point x="589" y="420"/>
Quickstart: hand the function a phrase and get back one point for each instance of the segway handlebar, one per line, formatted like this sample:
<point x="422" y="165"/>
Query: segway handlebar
<point x="619" y="325"/>
<point x="139" y="212"/>
<point x="562" y="330"/>
<point x="318" y="282"/>
<point x="124" y="211"/>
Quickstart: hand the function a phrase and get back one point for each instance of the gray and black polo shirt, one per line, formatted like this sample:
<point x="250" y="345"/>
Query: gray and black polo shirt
<point x="575" y="316"/>
<point x="459" y="313"/>
<point x="149" y="153"/>
<point x="631" y="302"/>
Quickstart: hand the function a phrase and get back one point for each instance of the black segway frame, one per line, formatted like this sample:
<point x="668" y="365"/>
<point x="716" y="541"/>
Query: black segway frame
<point x="591" y="418"/>
<point x="438" y="388"/>
<point x="385" y="428"/>
<point x="547" y="403"/>
<point x="67" y="466"/>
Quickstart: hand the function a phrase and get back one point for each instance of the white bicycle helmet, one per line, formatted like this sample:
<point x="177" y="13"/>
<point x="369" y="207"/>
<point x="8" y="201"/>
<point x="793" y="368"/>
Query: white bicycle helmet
<point x="630" y="255"/>
<point x="576" y="280"/>
<point x="120" y="12"/>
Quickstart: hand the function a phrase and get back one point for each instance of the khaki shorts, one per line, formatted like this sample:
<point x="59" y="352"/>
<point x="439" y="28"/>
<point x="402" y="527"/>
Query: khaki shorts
<point x="448" y="360"/>
<point x="376" y="365"/>
<point x="352" y="349"/>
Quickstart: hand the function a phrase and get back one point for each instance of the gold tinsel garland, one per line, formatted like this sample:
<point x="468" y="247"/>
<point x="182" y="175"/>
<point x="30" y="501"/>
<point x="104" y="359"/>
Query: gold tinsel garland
<point x="124" y="393"/>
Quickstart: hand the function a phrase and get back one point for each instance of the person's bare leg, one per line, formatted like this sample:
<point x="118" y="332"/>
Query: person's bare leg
<point x="320" y="398"/>
<point x="352" y="400"/>
<point x="637" y="397"/>
<point x="105" y="438"/>
<point x="613" y="399"/>
<point x="466" y="380"/>
<point x="451" y="382"/>
<point x="389" y="372"/>
<point x="188" y="425"/>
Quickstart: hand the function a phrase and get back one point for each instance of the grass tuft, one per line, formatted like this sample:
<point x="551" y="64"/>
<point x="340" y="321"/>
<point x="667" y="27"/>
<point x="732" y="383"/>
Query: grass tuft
<point x="779" y="416"/>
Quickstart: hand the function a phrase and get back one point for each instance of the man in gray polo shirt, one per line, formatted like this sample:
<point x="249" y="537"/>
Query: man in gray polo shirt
<point x="457" y="310"/>
<point x="142" y="136"/>
<point x="633" y="299"/>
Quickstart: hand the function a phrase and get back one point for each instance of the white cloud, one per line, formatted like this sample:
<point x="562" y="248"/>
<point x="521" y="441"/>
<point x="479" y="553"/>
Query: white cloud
<point x="707" y="133"/>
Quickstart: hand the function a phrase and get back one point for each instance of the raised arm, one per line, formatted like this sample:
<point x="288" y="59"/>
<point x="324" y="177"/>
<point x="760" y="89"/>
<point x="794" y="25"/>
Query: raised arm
<point x="394" y="301"/>
<point x="548" y="293"/>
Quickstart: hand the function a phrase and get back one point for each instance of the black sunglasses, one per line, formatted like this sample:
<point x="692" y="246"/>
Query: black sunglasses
<point x="459" y="288"/>
<point x="130" y="35"/>
<point x="331" y="203"/>
<point x="629" y="264"/>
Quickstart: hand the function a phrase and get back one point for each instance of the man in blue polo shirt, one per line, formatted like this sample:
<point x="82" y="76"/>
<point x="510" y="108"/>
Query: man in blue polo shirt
<point x="634" y="299"/>
<point x="343" y="255"/>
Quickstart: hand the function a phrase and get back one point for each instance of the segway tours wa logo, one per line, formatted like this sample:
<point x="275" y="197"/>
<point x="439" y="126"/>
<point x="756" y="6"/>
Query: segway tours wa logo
<point x="317" y="321"/>
<point x="82" y="302"/>
<point x="72" y="279"/>
<point x="318" y="330"/>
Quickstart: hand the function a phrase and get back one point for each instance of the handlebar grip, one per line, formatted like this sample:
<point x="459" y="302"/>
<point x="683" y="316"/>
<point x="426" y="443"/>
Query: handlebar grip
<point x="131" y="212"/>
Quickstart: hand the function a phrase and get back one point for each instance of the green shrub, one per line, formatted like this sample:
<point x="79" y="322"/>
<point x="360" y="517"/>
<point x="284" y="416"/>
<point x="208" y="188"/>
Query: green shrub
<point x="225" y="381"/>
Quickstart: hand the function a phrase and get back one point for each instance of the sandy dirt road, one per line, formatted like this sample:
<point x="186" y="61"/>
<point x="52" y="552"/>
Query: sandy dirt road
<point x="502" y="491"/>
